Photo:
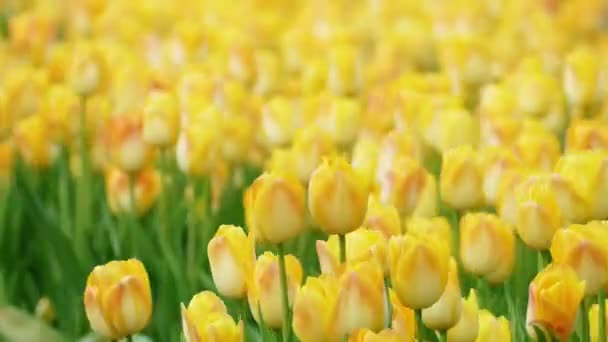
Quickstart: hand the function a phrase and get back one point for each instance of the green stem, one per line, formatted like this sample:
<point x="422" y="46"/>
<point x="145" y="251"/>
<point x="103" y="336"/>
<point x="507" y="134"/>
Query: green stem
<point x="262" y="325"/>
<point x="342" y="239"/>
<point x="420" y="329"/>
<point x="540" y="260"/>
<point x="83" y="209"/>
<point x="585" y="320"/>
<point x="389" y="307"/>
<point x="164" y="202"/>
<point x="133" y="213"/>
<point x="284" y="293"/>
<point x="601" y="297"/>
<point x="509" y="299"/>
<point x="443" y="336"/>
<point x="64" y="195"/>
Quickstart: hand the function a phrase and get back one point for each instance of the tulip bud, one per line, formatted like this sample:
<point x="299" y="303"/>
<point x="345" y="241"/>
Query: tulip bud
<point x="239" y="129"/>
<point x="419" y="269"/>
<point x="546" y="104"/>
<point x="24" y="92"/>
<point x="197" y="149"/>
<point x="437" y="228"/>
<point x="241" y="63"/>
<point x="360" y="299"/>
<point x="572" y="205"/>
<point x="590" y="134"/>
<point x="506" y="202"/>
<point x="146" y="188"/>
<point x="593" y="187"/>
<point x="128" y="149"/>
<point x="310" y="146"/>
<point x="361" y="245"/>
<point x="337" y="197"/>
<point x="538" y="214"/>
<point x="454" y="128"/>
<point x="313" y="308"/>
<point x="499" y="130"/>
<point x="554" y="297"/>
<point x="467" y="328"/>
<point x="492" y="328"/>
<point x="342" y="120"/>
<point x="265" y="290"/>
<point x="537" y="148"/>
<point x="584" y="249"/>
<point x="366" y="335"/>
<point x="277" y="121"/>
<point x="345" y="75"/>
<point x="33" y="142"/>
<point x="45" y="310"/>
<point x="404" y="318"/>
<point x="231" y="257"/>
<point x="584" y="79"/>
<point x="461" y="182"/>
<point x="89" y="71"/>
<point x="161" y="118"/>
<point x="382" y="217"/>
<point x="495" y="161"/>
<point x="594" y="322"/>
<point x="394" y="146"/>
<point x="61" y="112"/>
<point x="410" y="188"/>
<point x="268" y="72"/>
<point x="207" y="319"/>
<point x="364" y="159"/>
<point x="446" y="311"/>
<point x="275" y="207"/>
<point x="486" y="244"/>
<point x="117" y="298"/>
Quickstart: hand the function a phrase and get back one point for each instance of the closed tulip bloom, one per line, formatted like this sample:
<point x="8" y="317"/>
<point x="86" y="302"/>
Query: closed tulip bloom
<point x="337" y="197"/>
<point x="486" y="242"/>
<point x="593" y="187"/>
<point x="361" y="245"/>
<point x="394" y="146"/>
<point x="146" y="188"/>
<point x="161" y="118"/>
<point x="238" y="133"/>
<point x="499" y="130"/>
<point x="128" y="149"/>
<point x="506" y="200"/>
<point x="404" y="318"/>
<point x="437" y="228"/>
<point x="455" y="127"/>
<point x="537" y="149"/>
<point x="265" y="289"/>
<point x="61" y="111"/>
<point x="310" y="146"/>
<point x="206" y="319"/>
<point x="554" y="297"/>
<point x="572" y="205"/>
<point x="410" y="188"/>
<point x="197" y="149"/>
<point x="587" y="134"/>
<point x="584" y="79"/>
<point x="345" y="76"/>
<point x="446" y="311"/>
<point x="419" y="269"/>
<point x="366" y="335"/>
<point x="275" y="207"/>
<point x="495" y="162"/>
<point x="313" y="308"/>
<point x="467" y="328"/>
<point x="33" y="142"/>
<point x="585" y="249"/>
<point x="117" y="298"/>
<point x="89" y="71"/>
<point x="268" y="72"/>
<point x="461" y="179"/>
<point x="493" y="328"/>
<point x="382" y="217"/>
<point x="538" y="214"/>
<point x="24" y="90"/>
<point x="594" y="321"/>
<point x="360" y="299"/>
<point x="342" y="120"/>
<point x="277" y="121"/>
<point x="231" y="257"/>
<point x="364" y="159"/>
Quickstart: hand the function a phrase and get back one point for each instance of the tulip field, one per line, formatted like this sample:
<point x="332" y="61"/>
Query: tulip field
<point x="306" y="170"/>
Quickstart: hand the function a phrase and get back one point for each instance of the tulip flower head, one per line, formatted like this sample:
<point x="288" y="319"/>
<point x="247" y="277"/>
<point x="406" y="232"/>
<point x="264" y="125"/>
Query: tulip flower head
<point x="467" y="328"/>
<point x="206" y="319"/>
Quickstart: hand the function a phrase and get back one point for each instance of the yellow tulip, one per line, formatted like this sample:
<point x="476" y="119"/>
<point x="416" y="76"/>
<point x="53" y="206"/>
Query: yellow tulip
<point x="394" y="146"/>
<point x="268" y="72"/>
<point x="342" y="120"/>
<point x="506" y="199"/>
<point x="537" y="148"/>
<point x="553" y="301"/>
<point x="345" y="76"/>
<point x="546" y="105"/>
<point x="197" y="149"/>
<point x="61" y="111"/>
<point x="404" y="318"/>
<point x="313" y="309"/>
<point x="241" y="62"/>
<point x="456" y="127"/>
<point x="447" y="310"/>
<point x="231" y="256"/>
<point x="499" y="130"/>
<point x="366" y="335"/>
<point x="239" y="132"/>
<point x="337" y="197"/>
<point x="572" y="205"/>
<point x="310" y="146"/>
<point x="360" y="299"/>
<point x="594" y="322"/>
<point x="57" y="62"/>
<point x="382" y="217"/>
<point x="585" y="249"/>
<point x="146" y="188"/>
<point x="467" y="328"/>
<point x="275" y="207"/>
<point x="592" y="187"/>
<point x="24" y="90"/>
<point x="264" y="292"/>
<point x="161" y="118"/>
<point x="117" y="298"/>
<point x="487" y="245"/>
<point x="584" y="78"/>
<point x="128" y="149"/>
<point x="277" y="121"/>
<point x="364" y="159"/>
<point x="419" y="269"/>
<point x="538" y="214"/>
<point x="495" y="162"/>
<point x="461" y="179"/>
<point x="492" y="328"/>
<point x="437" y="228"/>
<point x="89" y="70"/>
<point x="206" y="319"/>
<point x="410" y="188"/>
<point x="588" y="134"/>
<point x="361" y="245"/>
<point x="33" y="142"/>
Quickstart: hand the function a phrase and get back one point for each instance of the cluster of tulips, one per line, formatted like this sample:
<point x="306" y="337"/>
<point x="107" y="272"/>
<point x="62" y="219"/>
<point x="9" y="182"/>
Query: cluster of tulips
<point x="438" y="156"/>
